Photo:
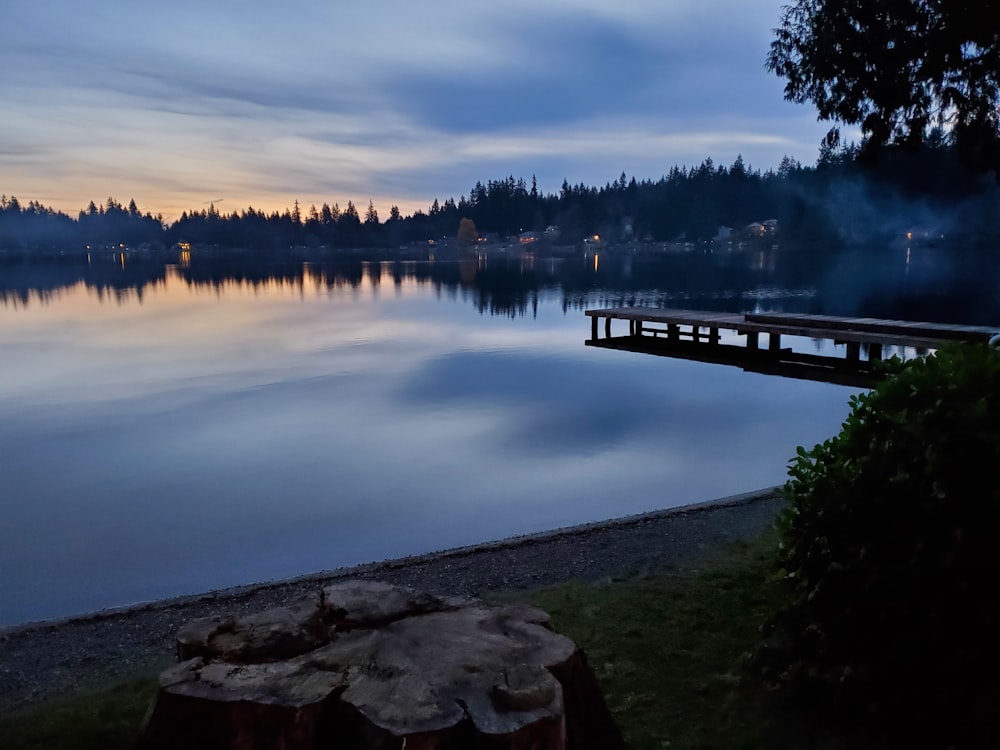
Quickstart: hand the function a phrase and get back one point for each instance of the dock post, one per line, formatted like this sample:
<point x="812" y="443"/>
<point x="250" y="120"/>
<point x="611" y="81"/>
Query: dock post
<point x="874" y="352"/>
<point x="638" y="328"/>
<point x="713" y="335"/>
<point x="774" y="341"/>
<point x="607" y="327"/>
<point x="752" y="340"/>
<point x="593" y="327"/>
<point x="853" y="351"/>
<point x="673" y="332"/>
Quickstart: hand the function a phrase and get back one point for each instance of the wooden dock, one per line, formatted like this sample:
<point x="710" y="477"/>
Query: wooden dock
<point x="695" y="334"/>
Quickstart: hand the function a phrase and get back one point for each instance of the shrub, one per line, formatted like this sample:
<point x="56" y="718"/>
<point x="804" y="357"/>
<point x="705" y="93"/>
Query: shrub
<point x="891" y="549"/>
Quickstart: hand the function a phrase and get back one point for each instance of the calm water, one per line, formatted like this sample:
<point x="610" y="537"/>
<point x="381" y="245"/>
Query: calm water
<point x="172" y="430"/>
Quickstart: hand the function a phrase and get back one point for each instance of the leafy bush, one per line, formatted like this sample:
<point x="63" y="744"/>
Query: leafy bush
<point x="891" y="547"/>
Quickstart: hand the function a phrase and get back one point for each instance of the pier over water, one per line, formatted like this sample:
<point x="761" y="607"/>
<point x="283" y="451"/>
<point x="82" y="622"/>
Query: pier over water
<point x="696" y="334"/>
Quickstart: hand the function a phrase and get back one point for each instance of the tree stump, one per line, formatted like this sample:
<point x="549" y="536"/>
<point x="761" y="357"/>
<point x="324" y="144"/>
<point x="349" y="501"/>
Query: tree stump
<point x="368" y="666"/>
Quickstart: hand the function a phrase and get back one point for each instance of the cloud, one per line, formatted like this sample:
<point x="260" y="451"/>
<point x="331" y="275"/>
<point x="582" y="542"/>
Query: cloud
<point x="393" y="101"/>
<point x="566" y="66"/>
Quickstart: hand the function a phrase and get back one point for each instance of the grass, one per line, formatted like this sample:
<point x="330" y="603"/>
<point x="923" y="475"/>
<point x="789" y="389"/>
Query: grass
<point x="106" y="719"/>
<point x="668" y="650"/>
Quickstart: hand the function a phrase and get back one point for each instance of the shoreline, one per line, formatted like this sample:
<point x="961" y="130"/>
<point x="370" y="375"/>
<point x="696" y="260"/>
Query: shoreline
<point x="235" y="592"/>
<point x="39" y="660"/>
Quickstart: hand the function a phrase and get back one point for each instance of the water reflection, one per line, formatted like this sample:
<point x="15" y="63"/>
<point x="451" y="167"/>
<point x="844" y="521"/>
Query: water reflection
<point x="545" y="406"/>
<point x="825" y="366"/>
<point x="937" y="283"/>
<point x="170" y="429"/>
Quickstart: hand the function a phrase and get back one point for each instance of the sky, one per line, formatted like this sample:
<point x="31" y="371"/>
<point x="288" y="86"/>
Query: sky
<point x="184" y="104"/>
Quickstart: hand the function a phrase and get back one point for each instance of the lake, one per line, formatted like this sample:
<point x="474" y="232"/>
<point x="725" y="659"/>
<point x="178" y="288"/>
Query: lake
<point x="171" y="428"/>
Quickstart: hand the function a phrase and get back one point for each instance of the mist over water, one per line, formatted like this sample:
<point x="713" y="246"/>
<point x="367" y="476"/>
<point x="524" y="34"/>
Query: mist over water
<point x="169" y="429"/>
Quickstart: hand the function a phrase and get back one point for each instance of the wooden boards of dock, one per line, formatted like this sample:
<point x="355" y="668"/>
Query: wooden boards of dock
<point x="695" y="334"/>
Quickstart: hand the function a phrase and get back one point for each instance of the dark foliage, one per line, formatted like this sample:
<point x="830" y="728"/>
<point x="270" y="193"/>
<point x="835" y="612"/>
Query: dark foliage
<point x="32" y="226"/>
<point x="897" y="68"/>
<point x="890" y="549"/>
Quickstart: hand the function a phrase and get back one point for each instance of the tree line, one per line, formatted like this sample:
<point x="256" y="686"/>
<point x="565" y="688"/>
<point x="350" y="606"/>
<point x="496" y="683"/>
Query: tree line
<point x="845" y="197"/>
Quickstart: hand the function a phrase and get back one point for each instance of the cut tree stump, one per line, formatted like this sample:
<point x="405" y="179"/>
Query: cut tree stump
<point x="366" y="666"/>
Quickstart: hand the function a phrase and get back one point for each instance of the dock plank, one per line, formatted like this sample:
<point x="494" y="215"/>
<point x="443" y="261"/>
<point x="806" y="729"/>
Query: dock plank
<point x="842" y="336"/>
<point x="874" y="333"/>
<point x="940" y="331"/>
<point x="918" y="334"/>
<point x="702" y="318"/>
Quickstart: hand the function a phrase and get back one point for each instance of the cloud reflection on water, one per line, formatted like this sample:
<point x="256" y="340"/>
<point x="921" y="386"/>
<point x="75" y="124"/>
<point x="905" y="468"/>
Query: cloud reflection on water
<point x="196" y="440"/>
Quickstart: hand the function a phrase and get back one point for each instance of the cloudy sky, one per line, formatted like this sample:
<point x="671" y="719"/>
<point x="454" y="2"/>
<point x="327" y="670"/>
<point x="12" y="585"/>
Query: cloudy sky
<point x="261" y="103"/>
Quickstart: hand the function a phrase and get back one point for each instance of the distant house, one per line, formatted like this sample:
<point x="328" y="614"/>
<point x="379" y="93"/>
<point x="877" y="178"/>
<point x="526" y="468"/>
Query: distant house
<point x="527" y="238"/>
<point x="767" y="228"/>
<point x="923" y="235"/>
<point x="552" y="232"/>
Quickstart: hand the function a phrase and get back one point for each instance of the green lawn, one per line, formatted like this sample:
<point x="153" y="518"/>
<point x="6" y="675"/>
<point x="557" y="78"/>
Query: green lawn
<point x="106" y="719"/>
<point x="670" y="652"/>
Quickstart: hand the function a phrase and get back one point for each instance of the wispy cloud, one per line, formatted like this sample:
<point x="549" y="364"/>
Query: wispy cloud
<point x="388" y="100"/>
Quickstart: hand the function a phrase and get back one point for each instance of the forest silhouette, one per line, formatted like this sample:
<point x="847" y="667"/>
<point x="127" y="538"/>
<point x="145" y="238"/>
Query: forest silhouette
<point x="927" y="194"/>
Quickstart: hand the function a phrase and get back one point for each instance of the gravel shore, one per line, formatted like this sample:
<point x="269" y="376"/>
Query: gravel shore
<point x="40" y="660"/>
